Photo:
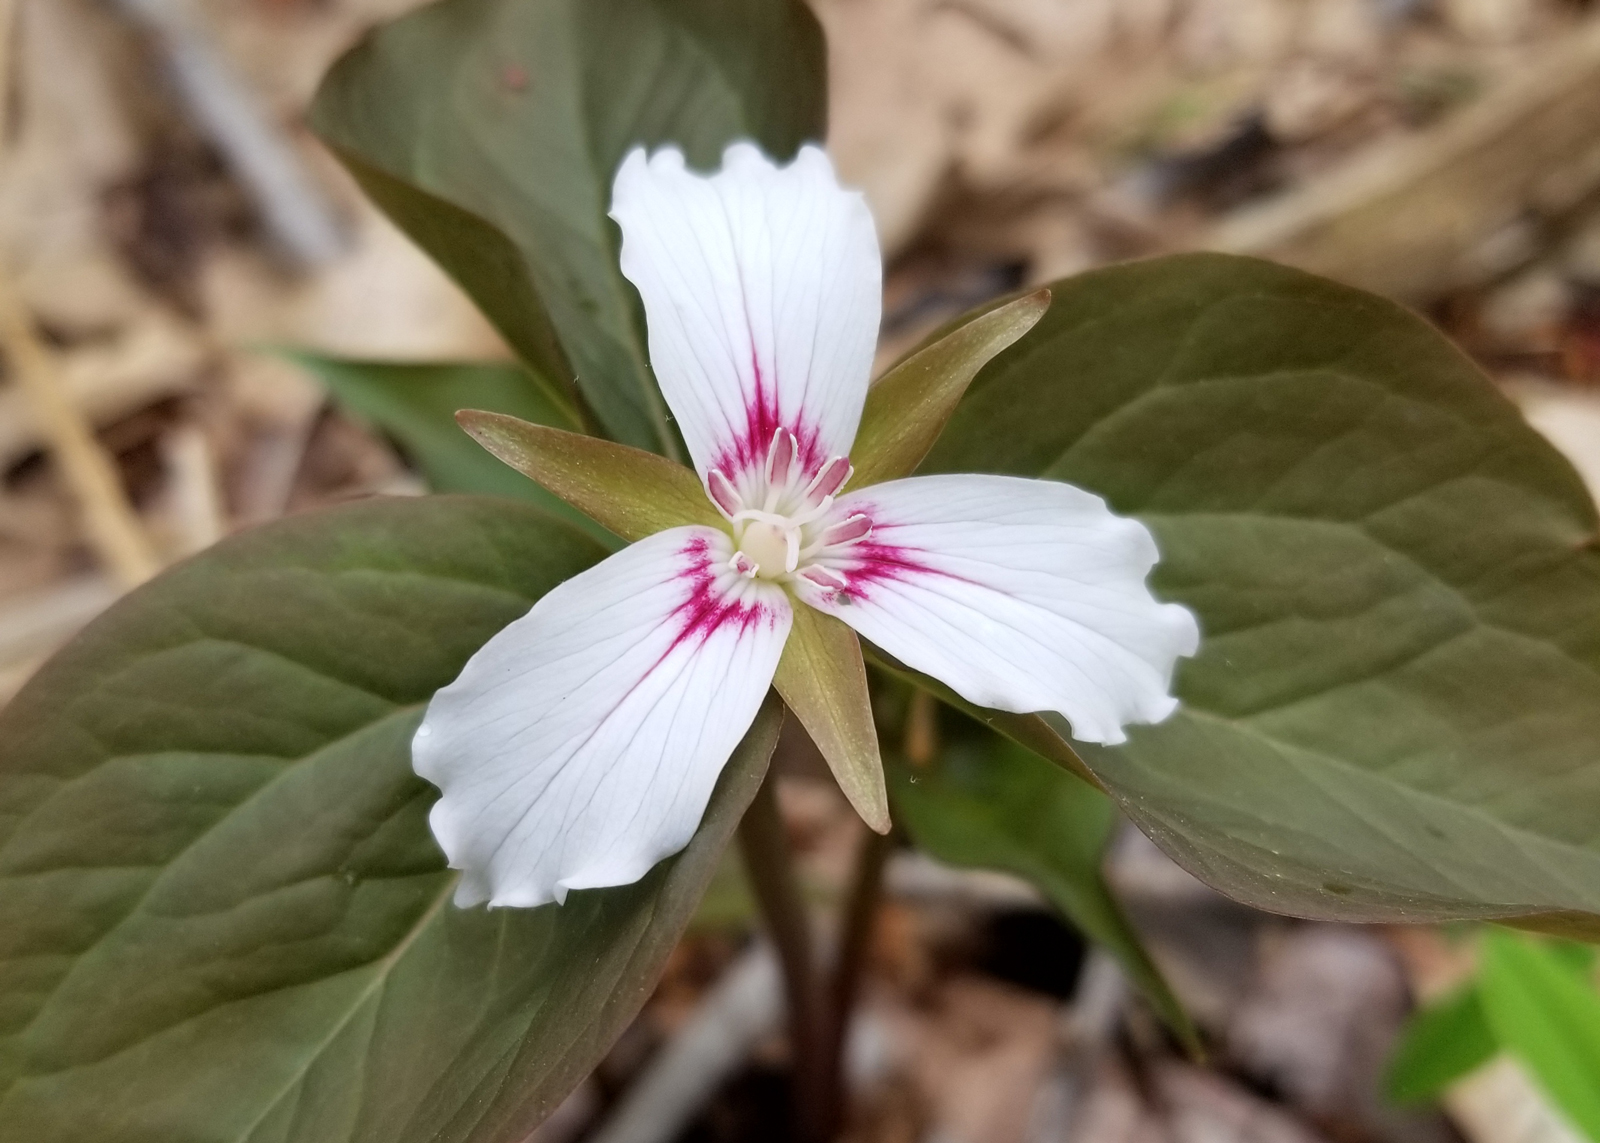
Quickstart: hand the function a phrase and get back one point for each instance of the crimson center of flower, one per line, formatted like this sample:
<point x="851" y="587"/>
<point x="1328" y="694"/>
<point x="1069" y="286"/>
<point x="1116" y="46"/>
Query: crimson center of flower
<point x="784" y="520"/>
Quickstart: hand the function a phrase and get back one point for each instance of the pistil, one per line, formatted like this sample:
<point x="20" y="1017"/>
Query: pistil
<point x="781" y="526"/>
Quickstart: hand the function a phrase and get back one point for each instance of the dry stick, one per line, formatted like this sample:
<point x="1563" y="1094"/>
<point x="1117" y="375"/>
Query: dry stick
<point x="770" y="866"/>
<point x="112" y="526"/>
<point x="296" y="212"/>
<point x="740" y="1009"/>
<point x="108" y="517"/>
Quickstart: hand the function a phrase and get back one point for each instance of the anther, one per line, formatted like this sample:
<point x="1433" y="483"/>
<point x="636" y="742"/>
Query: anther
<point x="825" y="577"/>
<point x="833" y="476"/>
<point x="856" y="527"/>
<point x="780" y="457"/>
<point x="722" y="493"/>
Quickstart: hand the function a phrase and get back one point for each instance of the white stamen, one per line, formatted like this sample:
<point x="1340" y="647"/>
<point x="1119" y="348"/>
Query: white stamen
<point x="795" y="523"/>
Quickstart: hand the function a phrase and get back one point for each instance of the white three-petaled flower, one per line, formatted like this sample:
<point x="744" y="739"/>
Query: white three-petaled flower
<point x="580" y="746"/>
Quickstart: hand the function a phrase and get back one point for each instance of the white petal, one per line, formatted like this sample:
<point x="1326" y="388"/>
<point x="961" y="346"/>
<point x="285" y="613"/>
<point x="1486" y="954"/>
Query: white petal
<point x="580" y="744"/>
<point x="762" y="290"/>
<point x="1020" y="595"/>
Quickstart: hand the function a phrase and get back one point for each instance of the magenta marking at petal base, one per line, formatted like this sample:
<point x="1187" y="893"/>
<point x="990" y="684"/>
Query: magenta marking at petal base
<point x="762" y="419"/>
<point x="872" y="561"/>
<point x="883" y="563"/>
<point x="705" y="612"/>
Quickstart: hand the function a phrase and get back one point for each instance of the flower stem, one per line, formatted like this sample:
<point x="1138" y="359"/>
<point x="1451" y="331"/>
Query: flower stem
<point x="770" y="865"/>
<point x="855" y="939"/>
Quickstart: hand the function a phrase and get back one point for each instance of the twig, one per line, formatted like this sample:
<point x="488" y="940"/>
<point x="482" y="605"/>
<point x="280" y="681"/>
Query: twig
<point x="916" y="877"/>
<point x="1087" y="1028"/>
<point x="198" y="518"/>
<point x="34" y="625"/>
<point x="745" y="1006"/>
<point x="108" y="517"/>
<point x="921" y="741"/>
<point x="113" y="528"/>
<point x="37" y="623"/>
<point x="146" y="364"/>
<point x="298" y="215"/>
<point x="1497" y="1103"/>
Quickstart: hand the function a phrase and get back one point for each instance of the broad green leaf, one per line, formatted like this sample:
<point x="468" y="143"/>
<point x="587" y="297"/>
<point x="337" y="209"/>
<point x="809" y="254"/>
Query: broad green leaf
<point x="908" y="406"/>
<point x="632" y="492"/>
<point x="986" y="803"/>
<point x="222" y="916"/>
<point x="490" y="130"/>
<point x="1442" y="1043"/>
<point x="416" y="404"/>
<point x="823" y="680"/>
<point x="479" y="257"/>
<point x="1394" y="708"/>
<point x="1548" y="1016"/>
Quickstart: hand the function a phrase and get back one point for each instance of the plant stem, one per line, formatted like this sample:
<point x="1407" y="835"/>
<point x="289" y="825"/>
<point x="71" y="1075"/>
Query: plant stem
<point x="770" y="865"/>
<point x="855" y="939"/>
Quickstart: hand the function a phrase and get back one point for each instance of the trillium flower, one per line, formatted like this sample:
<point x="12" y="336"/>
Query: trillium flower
<point x="580" y="745"/>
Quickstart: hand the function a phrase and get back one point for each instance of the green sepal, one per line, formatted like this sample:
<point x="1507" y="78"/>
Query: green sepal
<point x="414" y="403"/>
<point x="632" y="492"/>
<point x="823" y="680"/>
<point x="907" y="408"/>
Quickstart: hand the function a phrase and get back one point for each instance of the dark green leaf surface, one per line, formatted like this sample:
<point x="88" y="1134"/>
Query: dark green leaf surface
<point x="222" y="917"/>
<point x="416" y="404"/>
<point x="1548" y="1016"/>
<point x="1396" y="705"/>
<point x="490" y="130"/>
<point x="1443" y="1042"/>
<point x="986" y="803"/>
